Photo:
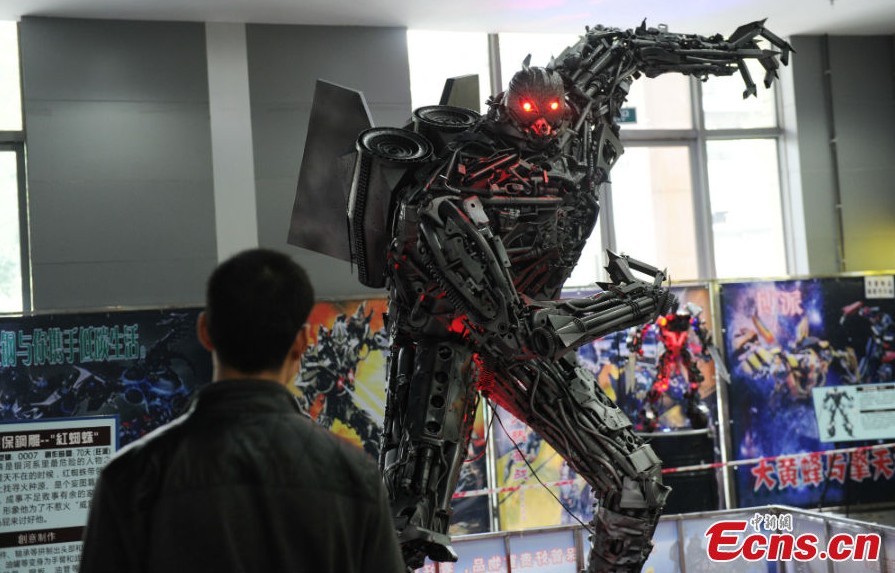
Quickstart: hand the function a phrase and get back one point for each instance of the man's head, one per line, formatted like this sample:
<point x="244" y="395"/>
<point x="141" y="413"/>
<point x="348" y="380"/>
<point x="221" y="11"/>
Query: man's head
<point x="535" y="100"/>
<point x="256" y="306"/>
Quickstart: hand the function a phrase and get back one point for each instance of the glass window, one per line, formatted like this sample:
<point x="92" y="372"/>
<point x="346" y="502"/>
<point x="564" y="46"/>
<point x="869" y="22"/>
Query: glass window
<point x="10" y="90"/>
<point x="662" y="102"/>
<point x="744" y="188"/>
<point x="590" y="266"/>
<point x="436" y="56"/>
<point x="515" y="47"/>
<point x="10" y="254"/>
<point x="652" y="209"/>
<point x="725" y="108"/>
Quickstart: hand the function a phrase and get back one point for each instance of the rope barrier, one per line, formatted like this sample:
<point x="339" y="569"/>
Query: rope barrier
<point x="691" y="468"/>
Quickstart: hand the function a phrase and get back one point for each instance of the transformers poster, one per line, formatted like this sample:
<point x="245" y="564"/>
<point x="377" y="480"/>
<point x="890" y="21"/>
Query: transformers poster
<point x="342" y="380"/>
<point x="142" y="366"/>
<point x="342" y="387"/>
<point x="522" y="458"/>
<point x="787" y="342"/>
<point x="629" y="375"/>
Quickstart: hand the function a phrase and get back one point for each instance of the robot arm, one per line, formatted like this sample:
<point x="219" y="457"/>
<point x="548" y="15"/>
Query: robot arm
<point x="562" y="326"/>
<point x="702" y="333"/>
<point x="605" y="58"/>
<point x="659" y="51"/>
<point x="471" y="265"/>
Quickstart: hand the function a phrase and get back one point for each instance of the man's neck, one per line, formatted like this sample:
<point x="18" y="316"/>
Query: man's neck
<point x="222" y="372"/>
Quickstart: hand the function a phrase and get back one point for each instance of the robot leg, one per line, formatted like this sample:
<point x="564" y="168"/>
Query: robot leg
<point x="567" y="407"/>
<point x="430" y="411"/>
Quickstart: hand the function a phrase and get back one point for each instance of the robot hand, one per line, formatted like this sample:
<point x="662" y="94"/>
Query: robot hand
<point x="562" y="326"/>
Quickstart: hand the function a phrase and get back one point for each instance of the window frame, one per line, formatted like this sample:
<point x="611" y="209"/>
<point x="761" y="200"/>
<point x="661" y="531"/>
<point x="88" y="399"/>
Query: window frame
<point x="696" y="139"/>
<point x="15" y="141"/>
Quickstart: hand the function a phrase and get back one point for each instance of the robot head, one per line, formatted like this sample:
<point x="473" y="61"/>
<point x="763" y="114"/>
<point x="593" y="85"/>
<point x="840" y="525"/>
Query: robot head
<point x="535" y="101"/>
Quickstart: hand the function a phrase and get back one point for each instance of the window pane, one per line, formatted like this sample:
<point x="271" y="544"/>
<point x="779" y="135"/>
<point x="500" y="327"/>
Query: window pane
<point x="662" y="102"/>
<point x="590" y="266"/>
<point x="10" y="255"/>
<point x="744" y="188"/>
<point x="436" y="56"/>
<point x="725" y="108"/>
<point x="652" y="208"/>
<point x="515" y="47"/>
<point x="10" y="91"/>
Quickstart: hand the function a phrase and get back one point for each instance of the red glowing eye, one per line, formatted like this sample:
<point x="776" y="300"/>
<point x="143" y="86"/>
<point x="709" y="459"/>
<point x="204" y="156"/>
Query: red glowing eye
<point x="554" y="105"/>
<point x="526" y="106"/>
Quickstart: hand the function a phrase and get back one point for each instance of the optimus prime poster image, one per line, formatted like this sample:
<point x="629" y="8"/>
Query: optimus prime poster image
<point x="649" y="372"/>
<point x="662" y="375"/>
<point x="791" y="345"/>
<point x="342" y="387"/>
<point x="142" y="366"/>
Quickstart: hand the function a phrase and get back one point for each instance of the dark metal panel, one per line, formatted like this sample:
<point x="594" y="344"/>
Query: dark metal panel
<point x="161" y="282"/>
<point x="113" y="60"/>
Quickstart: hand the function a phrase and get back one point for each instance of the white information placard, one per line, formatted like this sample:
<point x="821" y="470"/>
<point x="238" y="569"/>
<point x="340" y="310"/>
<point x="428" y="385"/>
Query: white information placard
<point x="861" y="412"/>
<point x="47" y="473"/>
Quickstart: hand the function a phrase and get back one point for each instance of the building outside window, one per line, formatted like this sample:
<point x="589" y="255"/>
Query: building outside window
<point x="13" y="240"/>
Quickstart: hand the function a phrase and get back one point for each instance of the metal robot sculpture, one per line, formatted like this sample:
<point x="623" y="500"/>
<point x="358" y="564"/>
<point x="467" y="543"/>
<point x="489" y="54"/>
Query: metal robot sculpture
<point x="673" y="331"/>
<point x="473" y="224"/>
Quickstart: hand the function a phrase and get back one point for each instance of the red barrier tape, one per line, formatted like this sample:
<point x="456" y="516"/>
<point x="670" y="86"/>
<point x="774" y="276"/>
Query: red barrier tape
<point x="697" y="467"/>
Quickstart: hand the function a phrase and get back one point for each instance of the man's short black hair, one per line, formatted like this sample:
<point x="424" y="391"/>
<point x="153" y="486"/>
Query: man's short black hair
<point x="255" y="304"/>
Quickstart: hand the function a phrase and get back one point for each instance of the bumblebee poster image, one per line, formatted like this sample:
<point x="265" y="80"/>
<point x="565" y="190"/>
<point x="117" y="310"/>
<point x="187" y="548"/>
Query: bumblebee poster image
<point x="522" y="458"/>
<point x="785" y="341"/>
<point x="142" y="366"/>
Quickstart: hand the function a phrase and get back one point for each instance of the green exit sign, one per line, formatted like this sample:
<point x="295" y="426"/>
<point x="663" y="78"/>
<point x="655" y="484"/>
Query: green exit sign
<point x="627" y="115"/>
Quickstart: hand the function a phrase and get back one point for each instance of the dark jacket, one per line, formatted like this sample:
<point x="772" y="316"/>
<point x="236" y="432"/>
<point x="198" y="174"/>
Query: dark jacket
<point x="242" y="483"/>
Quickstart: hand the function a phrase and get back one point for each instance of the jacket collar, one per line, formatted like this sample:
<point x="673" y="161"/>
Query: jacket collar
<point x="245" y="395"/>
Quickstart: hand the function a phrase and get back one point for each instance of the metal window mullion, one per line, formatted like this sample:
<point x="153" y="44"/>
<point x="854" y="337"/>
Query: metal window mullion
<point x="745" y="133"/>
<point x="786" y="200"/>
<point x="702" y="207"/>
<point x="495" y="72"/>
<point x="18" y="148"/>
<point x="24" y="230"/>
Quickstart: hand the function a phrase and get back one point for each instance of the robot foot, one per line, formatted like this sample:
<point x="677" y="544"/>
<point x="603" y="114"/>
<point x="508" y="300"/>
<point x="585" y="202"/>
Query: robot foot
<point x="418" y="543"/>
<point x="698" y="415"/>
<point x="647" y="420"/>
<point x="621" y="542"/>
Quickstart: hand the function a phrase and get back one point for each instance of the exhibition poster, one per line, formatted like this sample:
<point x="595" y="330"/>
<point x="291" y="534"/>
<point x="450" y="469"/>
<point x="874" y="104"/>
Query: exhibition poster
<point x="141" y="366"/>
<point x="342" y="386"/>
<point x="342" y="380"/>
<point x="627" y="376"/>
<point x="523" y="462"/>
<point x="811" y="364"/>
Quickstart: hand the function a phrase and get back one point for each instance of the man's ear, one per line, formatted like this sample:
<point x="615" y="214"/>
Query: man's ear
<point x="202" y="332"/>
<point x="302" y="341"/>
